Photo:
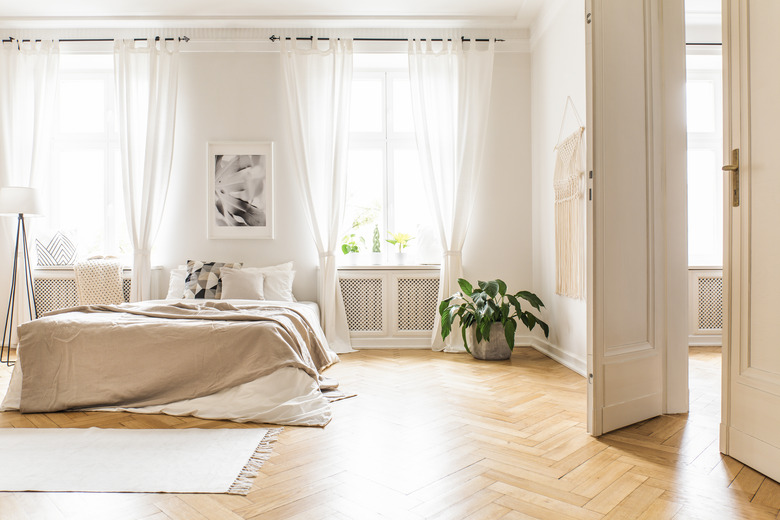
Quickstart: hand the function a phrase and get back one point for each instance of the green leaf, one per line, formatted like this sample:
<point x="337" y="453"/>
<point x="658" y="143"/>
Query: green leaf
<point x="515" y="303"/>
<point x="445" y="303"/>
<point x="465" y="343"/>
<point x="531" y="298"/>
<point x="544" y="327"/>
<point x="491" y="288"/>
<point x="345" y="249"/>
<point x="531" y="320"/>
<point x="501" y="288"/>
<point x="465" y="286"/>
<point x="509" y="332"/>
<point x="486" y="330"/>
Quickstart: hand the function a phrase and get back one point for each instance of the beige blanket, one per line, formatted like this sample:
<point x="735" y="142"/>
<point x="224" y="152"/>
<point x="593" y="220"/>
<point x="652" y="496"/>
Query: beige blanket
<point x="154" y="353"/>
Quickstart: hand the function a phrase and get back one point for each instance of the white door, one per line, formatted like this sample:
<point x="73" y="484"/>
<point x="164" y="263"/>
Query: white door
<point x="750" y="429"/>
<point x="636" y="210"/>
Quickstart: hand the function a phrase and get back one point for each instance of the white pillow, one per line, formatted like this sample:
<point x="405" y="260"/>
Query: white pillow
<point x="176" y="284"/>
<point x="241" y="284"/>
<point x="277" y="285"/>
<point x="287" y="266"/>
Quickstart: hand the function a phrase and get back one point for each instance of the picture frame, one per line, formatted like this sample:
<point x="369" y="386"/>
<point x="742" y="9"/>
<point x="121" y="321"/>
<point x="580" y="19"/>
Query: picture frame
<point x="240" y="190"/>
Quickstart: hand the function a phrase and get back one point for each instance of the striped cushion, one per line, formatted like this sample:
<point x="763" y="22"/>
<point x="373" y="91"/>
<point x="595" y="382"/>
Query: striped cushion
<point x="59" y="251"/>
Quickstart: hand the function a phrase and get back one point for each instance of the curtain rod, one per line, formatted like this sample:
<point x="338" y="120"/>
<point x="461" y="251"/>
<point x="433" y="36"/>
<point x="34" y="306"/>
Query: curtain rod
<point x="274" y="38"/>
<point x="703" y="43"/>
<point x="78" y="40"/>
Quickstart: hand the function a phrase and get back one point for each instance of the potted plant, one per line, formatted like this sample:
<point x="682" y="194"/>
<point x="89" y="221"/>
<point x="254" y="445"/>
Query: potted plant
<point x="402" y="241"/>
<point x="488" y="317"/>
<point x="350" y="246"/>
<point x="376" y="247"/>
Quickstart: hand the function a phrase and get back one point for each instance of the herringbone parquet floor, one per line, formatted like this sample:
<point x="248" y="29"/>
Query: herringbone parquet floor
<point x="434" y="435"/>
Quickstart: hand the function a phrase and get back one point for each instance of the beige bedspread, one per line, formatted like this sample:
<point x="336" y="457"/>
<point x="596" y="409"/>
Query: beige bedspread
<point x="154" y="353"/>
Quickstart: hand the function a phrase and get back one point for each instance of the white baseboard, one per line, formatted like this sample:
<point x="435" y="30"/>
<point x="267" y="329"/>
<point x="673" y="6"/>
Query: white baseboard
<point x="391" y="343"/>
<point x="579" y="366"/>
<point x="705" y="340"/>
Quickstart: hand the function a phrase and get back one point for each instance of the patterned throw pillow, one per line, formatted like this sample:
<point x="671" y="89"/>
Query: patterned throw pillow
<point x="203" y="280"/>
<point x="59" y="251"/>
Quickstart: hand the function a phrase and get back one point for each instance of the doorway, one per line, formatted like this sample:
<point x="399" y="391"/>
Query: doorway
<point x="704" y="117"/>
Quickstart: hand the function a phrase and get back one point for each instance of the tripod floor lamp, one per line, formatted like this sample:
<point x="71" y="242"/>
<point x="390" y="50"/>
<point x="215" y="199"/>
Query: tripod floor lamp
<point x="18" y="201"/>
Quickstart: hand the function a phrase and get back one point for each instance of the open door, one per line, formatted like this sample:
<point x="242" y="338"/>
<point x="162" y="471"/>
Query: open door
<point x="637" y="253"/>
<point x="751" y="364"/>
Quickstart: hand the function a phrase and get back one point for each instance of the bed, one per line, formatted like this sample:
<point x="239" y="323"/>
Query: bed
<point x="241" y="360"/>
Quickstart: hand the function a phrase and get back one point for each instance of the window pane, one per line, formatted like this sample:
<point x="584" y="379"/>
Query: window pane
<point x="705" y="209"/>
<point x="367" y="106"/>
<point x="91" y="62"/>
<point x="380" y="61"/>
<point x="82" y="106"/>
<point x="403" y="121"/>
<point x="82" y="199"/>
<point x="701" y="106"/>
<point x="411" y="210"/>
<point x="363" y="212"/>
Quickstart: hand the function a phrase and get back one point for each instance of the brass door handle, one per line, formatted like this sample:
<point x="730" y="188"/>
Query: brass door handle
<point x="734" y="169"/>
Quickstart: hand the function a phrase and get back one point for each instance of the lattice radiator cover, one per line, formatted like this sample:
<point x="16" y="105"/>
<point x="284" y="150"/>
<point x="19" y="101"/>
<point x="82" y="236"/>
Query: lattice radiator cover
<point x="58" y="293"/>
<point x="363" y="299"/>
<point x="400" y="305"/>
<point x="418" y="301"/>
<point x="710" y="296"/>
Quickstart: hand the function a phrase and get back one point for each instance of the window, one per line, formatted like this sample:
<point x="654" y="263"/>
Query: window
<point x="84" y="199"/>
<point x="705" y="138"/>
<point x="385" y="193"/>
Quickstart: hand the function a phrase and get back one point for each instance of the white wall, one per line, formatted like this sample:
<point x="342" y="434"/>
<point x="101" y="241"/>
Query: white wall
<point x="557" y="71"/>
<point x="498" y="244"/>
<point x="237" y="96"/>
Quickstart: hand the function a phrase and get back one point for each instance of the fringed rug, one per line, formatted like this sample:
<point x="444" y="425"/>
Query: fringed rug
<point x="135" y="461"/>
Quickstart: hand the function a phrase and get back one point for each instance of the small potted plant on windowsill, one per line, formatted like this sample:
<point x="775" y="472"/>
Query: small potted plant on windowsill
<point x="488" y="317"/>
<point x="402" y="241"/>
<point x="350" y="246"/>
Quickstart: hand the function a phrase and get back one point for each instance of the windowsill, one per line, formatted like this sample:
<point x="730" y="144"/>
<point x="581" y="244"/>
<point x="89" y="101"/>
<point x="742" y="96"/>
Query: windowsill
<point x="414" y="267"/>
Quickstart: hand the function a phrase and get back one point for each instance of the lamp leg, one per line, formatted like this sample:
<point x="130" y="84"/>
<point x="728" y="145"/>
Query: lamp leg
<point x="28" y="278"/>
<point x="9" y="315"/>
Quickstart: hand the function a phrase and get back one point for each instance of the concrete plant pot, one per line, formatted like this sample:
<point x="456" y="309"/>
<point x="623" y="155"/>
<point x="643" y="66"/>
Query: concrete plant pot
<point x="495" y="349"/>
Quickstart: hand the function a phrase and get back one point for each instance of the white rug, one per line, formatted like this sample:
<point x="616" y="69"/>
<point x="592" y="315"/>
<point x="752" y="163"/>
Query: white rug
<point x="138" y="461"/>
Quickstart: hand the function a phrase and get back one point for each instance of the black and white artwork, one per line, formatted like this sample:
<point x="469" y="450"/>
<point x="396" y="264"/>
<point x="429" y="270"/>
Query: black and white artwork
<point x="240" y="190"/>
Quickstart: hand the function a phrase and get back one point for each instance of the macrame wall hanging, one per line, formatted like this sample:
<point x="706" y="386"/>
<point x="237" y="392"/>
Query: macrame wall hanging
<point x="568" y="183"/>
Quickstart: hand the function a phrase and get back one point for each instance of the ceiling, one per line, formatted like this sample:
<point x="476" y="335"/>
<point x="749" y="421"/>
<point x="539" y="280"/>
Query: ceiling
<point x="277" y="13"/>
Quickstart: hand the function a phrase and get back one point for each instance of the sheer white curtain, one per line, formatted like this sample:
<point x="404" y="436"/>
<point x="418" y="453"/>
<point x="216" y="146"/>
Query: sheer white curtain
<point x="28" y="86"/>
<point x="450" y="100"/>
<point x="146" y="74"/>
<point x="318" y="83"/>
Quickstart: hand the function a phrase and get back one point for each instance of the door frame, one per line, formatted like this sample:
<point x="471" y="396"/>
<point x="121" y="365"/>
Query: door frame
<point x="729" y="214"/>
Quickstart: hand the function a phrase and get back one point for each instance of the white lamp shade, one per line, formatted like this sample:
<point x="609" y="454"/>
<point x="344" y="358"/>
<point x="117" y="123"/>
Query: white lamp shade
<point x="19" y="199"/>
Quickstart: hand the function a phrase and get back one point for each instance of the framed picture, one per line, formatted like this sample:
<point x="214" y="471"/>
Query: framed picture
<point x="241" y="194"/>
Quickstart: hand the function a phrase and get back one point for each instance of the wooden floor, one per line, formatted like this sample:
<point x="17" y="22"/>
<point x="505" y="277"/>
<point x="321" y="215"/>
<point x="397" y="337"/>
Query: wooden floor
<point x="435" y="435"/>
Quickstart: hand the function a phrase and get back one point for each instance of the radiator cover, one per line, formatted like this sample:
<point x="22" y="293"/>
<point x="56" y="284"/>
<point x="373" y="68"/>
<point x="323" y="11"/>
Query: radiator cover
<point x="56" y="289"/>
<point x="390" y="307"/>
<point x="705" y="306"/>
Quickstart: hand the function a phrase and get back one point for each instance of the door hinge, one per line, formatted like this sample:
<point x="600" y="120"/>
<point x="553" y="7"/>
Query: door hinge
<point x="734" y="169"/>
<point x="590" y="190"/>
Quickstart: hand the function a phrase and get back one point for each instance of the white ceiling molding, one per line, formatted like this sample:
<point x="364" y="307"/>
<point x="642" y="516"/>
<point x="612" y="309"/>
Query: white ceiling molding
<point x="229" y="22"/>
